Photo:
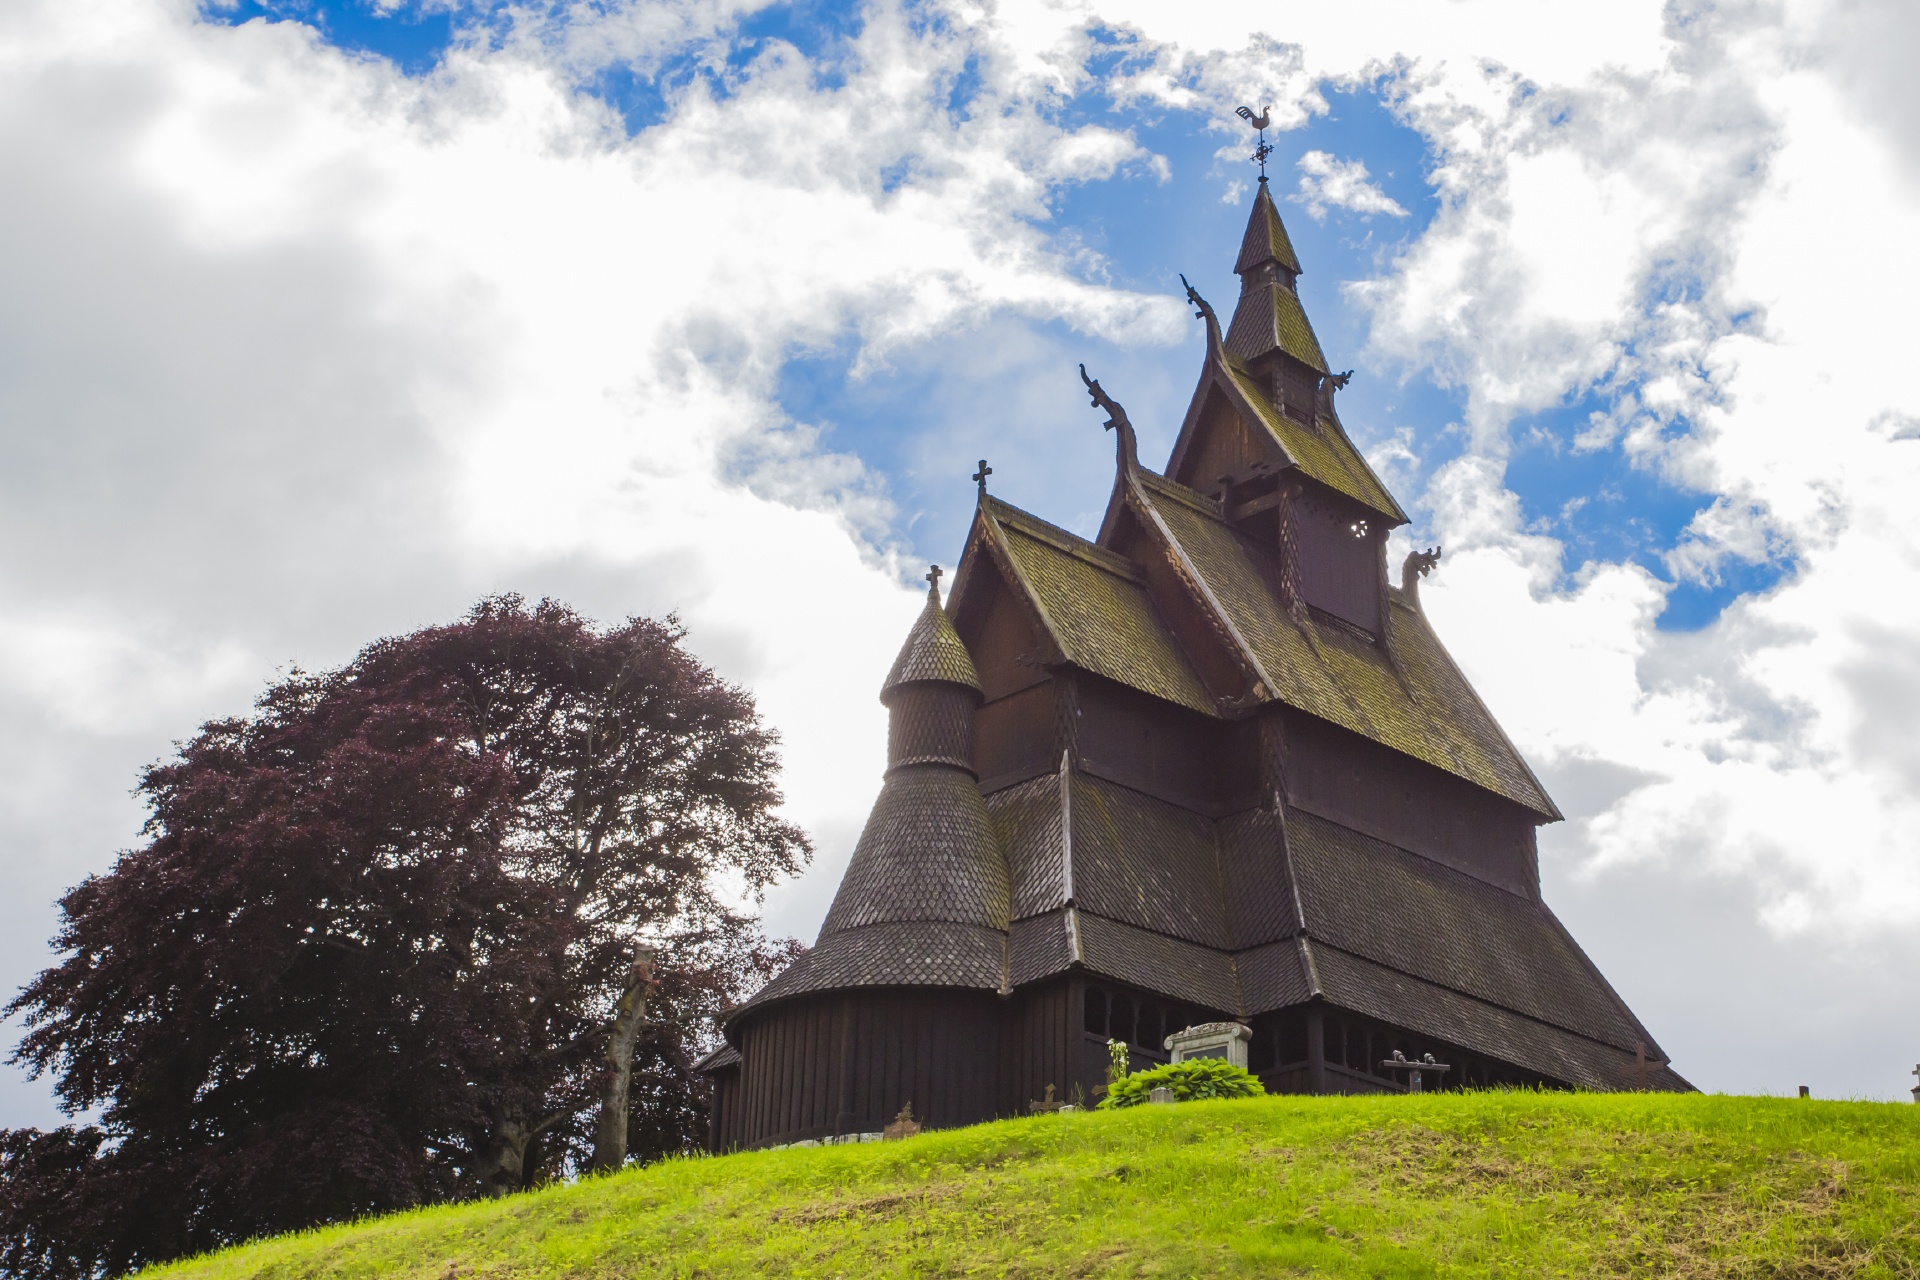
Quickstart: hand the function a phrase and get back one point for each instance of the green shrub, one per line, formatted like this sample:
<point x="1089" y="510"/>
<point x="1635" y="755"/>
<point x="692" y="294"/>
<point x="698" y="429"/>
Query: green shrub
<point x="1194" y="1078"/>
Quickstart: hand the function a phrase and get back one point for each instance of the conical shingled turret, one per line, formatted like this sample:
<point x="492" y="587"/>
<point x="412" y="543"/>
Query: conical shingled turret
<point x="925" y="899"/>
<point x="933" y="651"/>
<point x="1266" y="238"/>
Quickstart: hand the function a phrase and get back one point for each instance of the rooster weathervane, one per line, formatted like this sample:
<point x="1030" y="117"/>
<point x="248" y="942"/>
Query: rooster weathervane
<point x="1260" y="122"/>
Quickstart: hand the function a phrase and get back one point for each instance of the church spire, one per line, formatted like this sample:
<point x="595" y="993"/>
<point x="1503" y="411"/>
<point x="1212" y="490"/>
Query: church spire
<point x="1269" y="318"/>
<point x="1266" y="241"/>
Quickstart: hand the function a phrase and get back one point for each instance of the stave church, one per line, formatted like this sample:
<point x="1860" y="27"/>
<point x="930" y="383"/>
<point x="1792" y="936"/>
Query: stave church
<point x="1212" y="766"/>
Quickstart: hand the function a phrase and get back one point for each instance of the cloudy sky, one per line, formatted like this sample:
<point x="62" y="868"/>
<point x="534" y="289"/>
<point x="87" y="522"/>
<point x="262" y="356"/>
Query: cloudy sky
<point x="320" y="320"/>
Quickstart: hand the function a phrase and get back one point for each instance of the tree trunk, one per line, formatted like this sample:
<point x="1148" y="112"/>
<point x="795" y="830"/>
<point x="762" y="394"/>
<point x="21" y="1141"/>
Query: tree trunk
<point x="503" y="1171"/>
<point x="610" y="1133"/>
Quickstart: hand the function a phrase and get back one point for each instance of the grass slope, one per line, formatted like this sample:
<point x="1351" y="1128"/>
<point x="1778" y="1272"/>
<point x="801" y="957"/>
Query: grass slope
<point x="1487" y="1184"/>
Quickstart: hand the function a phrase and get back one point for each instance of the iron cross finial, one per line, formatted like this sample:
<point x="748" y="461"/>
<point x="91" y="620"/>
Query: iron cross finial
<point x="980" y="476"/>
<point x="1260" y="122"/>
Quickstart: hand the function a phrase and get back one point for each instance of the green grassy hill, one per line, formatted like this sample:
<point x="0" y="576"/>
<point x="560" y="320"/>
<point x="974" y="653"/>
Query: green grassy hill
<point x="1493" y="1184"/>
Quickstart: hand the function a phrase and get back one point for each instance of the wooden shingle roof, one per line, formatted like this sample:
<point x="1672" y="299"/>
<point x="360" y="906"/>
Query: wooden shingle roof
<point x="933" y="652"/>
<point x="1102" y="619"/>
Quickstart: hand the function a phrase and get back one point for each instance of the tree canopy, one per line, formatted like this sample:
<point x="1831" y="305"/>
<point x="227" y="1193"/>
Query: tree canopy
<point x="386" y="936"/>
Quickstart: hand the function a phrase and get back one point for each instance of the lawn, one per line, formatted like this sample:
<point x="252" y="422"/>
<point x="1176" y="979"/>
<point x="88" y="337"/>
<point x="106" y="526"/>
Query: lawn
<point x="1477" y="1184"/>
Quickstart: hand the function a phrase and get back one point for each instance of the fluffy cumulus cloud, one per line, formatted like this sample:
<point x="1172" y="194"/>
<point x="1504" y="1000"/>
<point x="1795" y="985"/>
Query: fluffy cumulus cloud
<point x="1328" y="182"/>
<point x="296" y="349"/>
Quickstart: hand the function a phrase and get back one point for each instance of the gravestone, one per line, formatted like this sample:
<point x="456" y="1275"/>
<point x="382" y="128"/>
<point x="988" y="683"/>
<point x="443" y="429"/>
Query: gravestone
<point x="903" y="1126"/>
<point x="1227" y="1040"/>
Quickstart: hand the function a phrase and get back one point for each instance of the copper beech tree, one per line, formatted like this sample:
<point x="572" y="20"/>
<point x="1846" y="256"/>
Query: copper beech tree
<point x="444" y="922"/>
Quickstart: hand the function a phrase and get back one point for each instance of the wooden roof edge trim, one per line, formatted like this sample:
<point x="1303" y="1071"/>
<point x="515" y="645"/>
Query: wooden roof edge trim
<point x="1216" y="614"/>
<point x="1552" y="810"/>
<point x="1168" y="487"/>
<point x="1491" y="1004"/>
<point x="730" y="1017"/>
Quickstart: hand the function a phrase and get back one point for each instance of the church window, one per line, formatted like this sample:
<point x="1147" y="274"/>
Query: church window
<point x="1293" y="1037"/>
<point x="1120" y="1019"/>
<point x="1151" y="1027"/>
<point x="1096" y="1013"/>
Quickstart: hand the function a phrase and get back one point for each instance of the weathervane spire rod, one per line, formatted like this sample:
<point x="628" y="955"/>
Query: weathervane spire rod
<point x="1260" y="122"/>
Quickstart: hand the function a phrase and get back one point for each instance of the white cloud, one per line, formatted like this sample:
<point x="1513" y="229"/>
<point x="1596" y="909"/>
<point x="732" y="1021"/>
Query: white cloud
<point x="1327" y="182"/>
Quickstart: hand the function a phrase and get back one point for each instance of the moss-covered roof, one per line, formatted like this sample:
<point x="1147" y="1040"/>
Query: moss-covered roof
<point x="1200" y="909"/>
<point x="1266" y="238"/>
<point x="1095" y="606"/>
<point x="1269" y="318"/>
<point x="1321" y="451"/>
<point x="933" y="651"/>
<point x="1426" y="710"/>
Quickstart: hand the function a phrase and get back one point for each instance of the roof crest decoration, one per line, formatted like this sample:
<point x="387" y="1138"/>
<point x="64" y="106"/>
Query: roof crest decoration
<point x="1129" y="446"/>
<point x="1202" y="311"/>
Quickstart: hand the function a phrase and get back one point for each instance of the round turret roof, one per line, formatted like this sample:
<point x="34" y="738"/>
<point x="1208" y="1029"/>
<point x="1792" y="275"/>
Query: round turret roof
<point x="933" y="651"/>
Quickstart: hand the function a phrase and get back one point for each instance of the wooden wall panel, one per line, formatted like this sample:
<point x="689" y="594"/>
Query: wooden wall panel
<point x="1015" y="737"/>
<point x="1361" y="784"/>
<point x="1223" y="445"/>
<point x="847" y="1062"/>
<point x="999" y="635"/>
<point x="1152" y="746"/>
<point x="1340" y="571"/>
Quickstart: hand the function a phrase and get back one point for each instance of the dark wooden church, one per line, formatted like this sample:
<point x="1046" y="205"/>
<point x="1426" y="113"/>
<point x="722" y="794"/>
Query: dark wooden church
<point x="1212" y="766"/>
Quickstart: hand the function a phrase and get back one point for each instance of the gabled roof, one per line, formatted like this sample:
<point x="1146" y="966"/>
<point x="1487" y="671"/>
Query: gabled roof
<point x="933" y="651"/>
<point x="1269" y="318"/>
<point x="1090" y="603"/>
<point x="1094" y="608"/>
<point x="1422" y="707"/>
<point x="1322" y="450"/>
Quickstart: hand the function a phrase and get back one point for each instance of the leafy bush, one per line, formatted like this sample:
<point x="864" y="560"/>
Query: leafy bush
<point x="1194" y="1078"/>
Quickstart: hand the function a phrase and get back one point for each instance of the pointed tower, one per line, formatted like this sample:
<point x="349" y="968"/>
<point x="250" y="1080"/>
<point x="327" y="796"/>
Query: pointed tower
<point x="1210" y="766"/>
<point x="905" y="979"/>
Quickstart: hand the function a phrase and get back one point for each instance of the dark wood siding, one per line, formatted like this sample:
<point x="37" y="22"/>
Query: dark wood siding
<point x="1000" y="637"/>
<point x="1351" y="780"/>
<point x="1225" y="445"/>
<point x="1150" y="745"/>
<point x="819" y="1066"/>
<point x="1341" y="564"/>
<point x="1015" y="737"/>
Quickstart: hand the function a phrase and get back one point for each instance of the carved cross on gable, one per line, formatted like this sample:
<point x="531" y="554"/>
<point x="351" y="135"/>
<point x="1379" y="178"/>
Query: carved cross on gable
<point x="980" y="476"/>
